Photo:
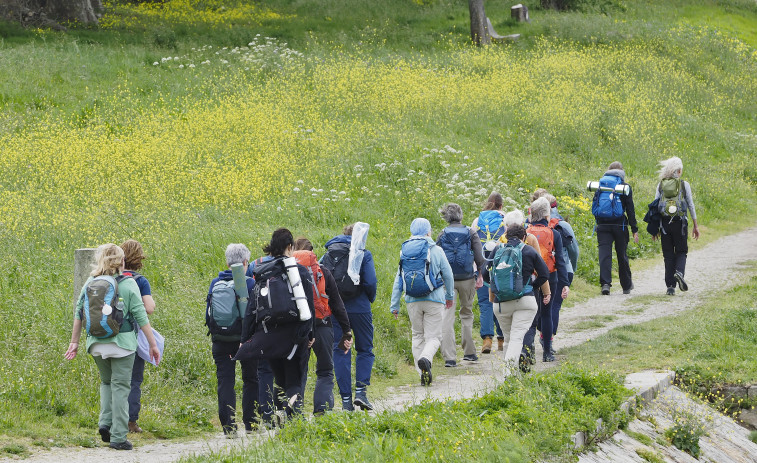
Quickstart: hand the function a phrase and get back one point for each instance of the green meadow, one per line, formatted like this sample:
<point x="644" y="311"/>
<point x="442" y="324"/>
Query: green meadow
<point x="188" y="125"/>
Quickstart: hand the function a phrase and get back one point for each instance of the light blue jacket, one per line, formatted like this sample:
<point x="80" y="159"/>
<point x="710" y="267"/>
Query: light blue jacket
<point x="438" y="266"/>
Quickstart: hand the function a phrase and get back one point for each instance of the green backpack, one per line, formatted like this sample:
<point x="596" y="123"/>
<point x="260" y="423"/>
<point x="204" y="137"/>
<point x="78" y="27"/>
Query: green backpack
<point x="671" y="200"/>
<point x="506" y="274"/>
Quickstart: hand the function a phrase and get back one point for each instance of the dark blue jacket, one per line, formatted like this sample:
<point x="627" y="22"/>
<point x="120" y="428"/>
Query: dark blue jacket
<point x="368" y="281"/>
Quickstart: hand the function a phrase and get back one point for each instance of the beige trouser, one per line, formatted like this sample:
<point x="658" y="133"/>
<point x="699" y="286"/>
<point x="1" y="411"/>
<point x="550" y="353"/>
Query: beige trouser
<point x="465" y="290"/>
<point x="426" y="325"/>
<point x="515" y="318"/>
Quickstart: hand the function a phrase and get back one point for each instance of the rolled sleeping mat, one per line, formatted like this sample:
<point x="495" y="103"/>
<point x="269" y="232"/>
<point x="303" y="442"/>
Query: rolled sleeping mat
<point x="620" y="189"/>
<point x="240" y="286"/>
<point x="299" y="292"/>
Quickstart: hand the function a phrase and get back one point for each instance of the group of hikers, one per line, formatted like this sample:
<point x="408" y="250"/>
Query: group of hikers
<point x="270" y="313"/>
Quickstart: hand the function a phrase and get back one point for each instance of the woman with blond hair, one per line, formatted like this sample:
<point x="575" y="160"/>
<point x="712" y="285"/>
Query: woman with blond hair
<point x="133" y="257"/>
<point x="113" y="354"/>
<point x="675" y="200"/>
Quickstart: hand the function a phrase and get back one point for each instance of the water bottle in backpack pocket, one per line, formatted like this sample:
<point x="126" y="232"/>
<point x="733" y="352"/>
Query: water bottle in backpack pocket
<point x="274" y="297"/>
<point x="456" y="244"/>
<point x="506" y="273"/>
<point x="415" y="268"/>
<point x="102" y="310"/>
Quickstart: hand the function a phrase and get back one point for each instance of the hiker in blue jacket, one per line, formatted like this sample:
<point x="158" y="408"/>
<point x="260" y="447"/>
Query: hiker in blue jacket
<point x="615" y="230"/>
<point x="358" y="306"/>
<point x="224" y="348"/>
<point x="425" y="309"/>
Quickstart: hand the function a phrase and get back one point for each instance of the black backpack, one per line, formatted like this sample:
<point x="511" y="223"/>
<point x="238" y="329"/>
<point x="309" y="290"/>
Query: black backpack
<point x="274" y="298"/>
<point x="336" y="260"/>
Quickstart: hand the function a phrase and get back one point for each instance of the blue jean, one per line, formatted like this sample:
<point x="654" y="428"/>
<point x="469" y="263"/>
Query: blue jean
<point x="557" y="303"/>
<point x="543" y="319"/>
<point x="487" y="319"/>
<point x="362" y="332"/>
<point x="323" y="396"/>
<point x="135" y="395"/>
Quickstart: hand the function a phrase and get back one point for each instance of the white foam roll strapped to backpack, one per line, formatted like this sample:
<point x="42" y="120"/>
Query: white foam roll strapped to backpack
<point x="299" y="292"/>
<point x="621" y="188"/>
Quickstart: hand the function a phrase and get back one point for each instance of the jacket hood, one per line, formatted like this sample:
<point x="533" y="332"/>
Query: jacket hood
<point x="618" y="173"/>
<point x="225" y="275"/>
<point x="339" y="239"/>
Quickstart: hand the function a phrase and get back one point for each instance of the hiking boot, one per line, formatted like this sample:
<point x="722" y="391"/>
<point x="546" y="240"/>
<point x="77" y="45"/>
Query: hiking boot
<point x="471" y="358"/>
<point x="681" y="283"/>
<point x="605" y="290"/>
<point x="523" y="363"/>
<point x="125" y="445"/>
<point x="425" y="365"/>
<point x="548" y="357"/>
<point x="347" y="403"/>
<point x="500" y="344"/>
<point x="450" y="363"/>
<point x="361" y="400"/>
<point x="104" y="433"/>
<point x="530" y="354"/>
<point x="671" y="291"/>
<point x="134" y="427"/>
<point x="628" y="290"/>
<point x="487" y="347"/>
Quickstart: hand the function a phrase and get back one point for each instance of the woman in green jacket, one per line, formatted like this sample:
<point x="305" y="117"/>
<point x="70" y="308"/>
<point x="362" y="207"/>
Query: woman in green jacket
<point x="114" y="356"/>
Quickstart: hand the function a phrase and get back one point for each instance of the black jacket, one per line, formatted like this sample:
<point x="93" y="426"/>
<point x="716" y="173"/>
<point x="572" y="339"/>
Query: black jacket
<point x="338" y="312"/>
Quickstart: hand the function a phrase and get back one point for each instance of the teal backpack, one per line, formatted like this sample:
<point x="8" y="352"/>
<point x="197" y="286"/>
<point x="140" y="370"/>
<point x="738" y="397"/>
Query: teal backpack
<point x="506" y="274"/>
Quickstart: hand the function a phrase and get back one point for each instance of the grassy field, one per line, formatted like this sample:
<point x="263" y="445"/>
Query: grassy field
<point x="188" y="129"/>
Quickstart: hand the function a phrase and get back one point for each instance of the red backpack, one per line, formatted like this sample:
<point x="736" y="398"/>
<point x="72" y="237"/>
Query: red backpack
<point x="546" y="244"/>
<point x="320" y="299"/>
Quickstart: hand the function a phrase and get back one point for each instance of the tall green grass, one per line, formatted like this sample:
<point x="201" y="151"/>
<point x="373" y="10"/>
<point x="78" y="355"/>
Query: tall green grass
<point x="384" y="89"/>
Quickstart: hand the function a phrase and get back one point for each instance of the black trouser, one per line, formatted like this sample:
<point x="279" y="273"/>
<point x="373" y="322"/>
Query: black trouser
<point x="323" y="348"/>
<point x="226" y="375"/>
<point x="606" y="235"/>
<point x="288" y="376"/>
<point x="675" y="245"/>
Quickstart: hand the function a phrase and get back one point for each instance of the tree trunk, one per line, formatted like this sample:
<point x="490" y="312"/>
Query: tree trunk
<point x="83" y="11"/>
<point x="478" y="33"/>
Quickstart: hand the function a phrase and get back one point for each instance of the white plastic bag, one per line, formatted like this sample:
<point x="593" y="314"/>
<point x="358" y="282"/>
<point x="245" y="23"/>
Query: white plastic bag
<point x="143" y="347"/>
<point x="357" y="250"/>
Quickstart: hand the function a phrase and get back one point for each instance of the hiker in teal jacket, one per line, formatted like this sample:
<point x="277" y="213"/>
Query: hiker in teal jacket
<point x="426" y="311"/>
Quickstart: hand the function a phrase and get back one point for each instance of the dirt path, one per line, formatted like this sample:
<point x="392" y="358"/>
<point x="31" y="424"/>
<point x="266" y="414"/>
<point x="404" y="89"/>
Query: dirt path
<point x="721" y="265"/>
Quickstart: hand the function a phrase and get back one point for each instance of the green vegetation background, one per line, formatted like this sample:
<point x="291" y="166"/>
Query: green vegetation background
<point x="99" y="143"/>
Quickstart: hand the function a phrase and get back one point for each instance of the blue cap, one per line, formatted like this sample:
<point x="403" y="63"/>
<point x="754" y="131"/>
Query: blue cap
<point x="420" y="227"/>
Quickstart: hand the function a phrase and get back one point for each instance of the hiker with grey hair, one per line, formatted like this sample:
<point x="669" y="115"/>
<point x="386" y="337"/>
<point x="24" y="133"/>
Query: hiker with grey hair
<point x="675" y="200"/>
<point x="551" y="248"/>
<point x="462" y="246"/>
<point x="614" y="214"/>
<point x="426" y="278"/>
<point x="222" y="299"/>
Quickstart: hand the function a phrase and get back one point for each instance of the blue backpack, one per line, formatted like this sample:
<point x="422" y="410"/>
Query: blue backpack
<point x="507" y="273"/>
<point x="415" y="267"/>
<point x="456" y="244"/>
<point x="607" y="203"/>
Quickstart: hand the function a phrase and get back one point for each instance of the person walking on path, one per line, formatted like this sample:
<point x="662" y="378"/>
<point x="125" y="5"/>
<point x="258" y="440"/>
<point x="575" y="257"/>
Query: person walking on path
<point x="113" y="354"/>
<point x="516" y="315"/>
<point x="491" y="230"/>
<point x="273" y="327"/>
<point x="462" y="247"/>
<point x="222" y="298"/>
<point x="133" y="256"/>
<point x="328" y="307"/>
<point x="675" y="200"/>
<point x="551" y="249"/>
<point x="614" y="214"/>
<point x="426" y="278"/>
<point x="357" y="302"/>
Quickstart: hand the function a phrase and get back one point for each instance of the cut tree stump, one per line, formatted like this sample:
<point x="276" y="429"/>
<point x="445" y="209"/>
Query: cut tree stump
<point x="519" y="13"/>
